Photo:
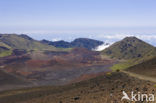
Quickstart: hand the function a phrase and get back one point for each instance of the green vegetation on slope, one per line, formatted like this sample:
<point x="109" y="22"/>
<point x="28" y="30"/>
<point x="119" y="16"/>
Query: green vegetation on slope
<point x="130" y="51"/>
<point x="4" y="45"/>
<point x="23" y="42"/>
<point x="4" y="50"/>
<point x="9" y="42"/>
<point x="130" y="48"/>
<point x="147" y="68"/>
<point x="122" y="65"/>
<point x="129" y="63"/>
<point x="5" y="53"/>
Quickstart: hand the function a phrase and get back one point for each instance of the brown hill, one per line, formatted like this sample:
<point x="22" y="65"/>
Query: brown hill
<point x="103" y="89"/>
<point x="147" y="68"/>
<point x="11" y="81"/>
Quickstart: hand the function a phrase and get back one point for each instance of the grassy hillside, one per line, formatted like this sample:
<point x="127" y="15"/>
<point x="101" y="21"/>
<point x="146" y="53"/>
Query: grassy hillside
<point x="10" y="42"/>
<point x="129" y="51"/>
<point x="14" y="41"/>
<point x="4" y="50"/>
<point x="130" y="48"/>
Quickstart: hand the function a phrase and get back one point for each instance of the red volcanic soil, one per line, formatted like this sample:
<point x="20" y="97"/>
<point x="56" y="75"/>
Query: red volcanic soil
<point x="57" y="68"/>
<point x="37" y="63"/>
<point x="55" y="61"/>
<point x="83" y="55"/>
<point x="78" y="56"/>
<point x="13" y="59"/>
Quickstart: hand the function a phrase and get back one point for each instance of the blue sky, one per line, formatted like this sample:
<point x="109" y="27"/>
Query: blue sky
<point x="106" y="20"/>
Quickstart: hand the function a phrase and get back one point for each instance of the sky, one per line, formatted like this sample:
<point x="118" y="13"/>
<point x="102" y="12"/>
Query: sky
<point x="106" y="20"/>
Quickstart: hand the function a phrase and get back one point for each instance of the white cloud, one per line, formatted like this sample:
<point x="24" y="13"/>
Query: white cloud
<point x="121" y="36"/>
<point x="110" y="38"/>
<point x="101" y="47"/>
<point x="56" y="39"/>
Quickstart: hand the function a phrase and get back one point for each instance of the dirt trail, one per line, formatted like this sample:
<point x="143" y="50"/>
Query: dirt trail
<point x="140" y="76"/>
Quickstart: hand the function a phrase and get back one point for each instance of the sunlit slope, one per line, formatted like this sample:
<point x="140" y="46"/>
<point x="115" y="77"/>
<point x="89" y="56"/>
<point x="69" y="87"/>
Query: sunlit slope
<point x="130" y="48"/>
<point x="130" y="51"/>
<point x="23" y="42"/>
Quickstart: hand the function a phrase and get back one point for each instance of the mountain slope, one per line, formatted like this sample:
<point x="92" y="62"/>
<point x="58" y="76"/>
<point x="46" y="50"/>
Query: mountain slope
<point x="60" y="44"/>
<point x="9" y="79"/>
<point x="147" y="68"/>
<point x="102" y="89"/>
<point x="130" y="48"/>
<point x="86" y="43"/>
<point x="80" y="42"/>
<point x="14" y="41"/>
<point x="4" y="51"/>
